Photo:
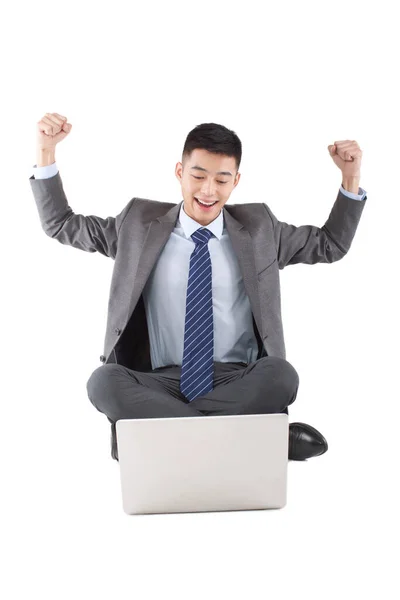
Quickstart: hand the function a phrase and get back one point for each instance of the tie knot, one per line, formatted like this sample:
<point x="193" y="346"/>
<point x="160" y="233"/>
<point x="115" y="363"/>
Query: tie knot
<point x="201" y="236"/>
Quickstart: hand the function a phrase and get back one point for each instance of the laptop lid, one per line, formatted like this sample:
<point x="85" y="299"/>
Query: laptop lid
<point x="209" y="463"/>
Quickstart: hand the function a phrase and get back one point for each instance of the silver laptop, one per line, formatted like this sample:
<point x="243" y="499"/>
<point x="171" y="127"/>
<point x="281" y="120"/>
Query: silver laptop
<point x="209" y="463"/>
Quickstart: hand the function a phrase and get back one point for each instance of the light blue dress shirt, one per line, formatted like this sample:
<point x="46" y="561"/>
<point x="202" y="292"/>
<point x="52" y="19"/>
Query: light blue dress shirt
<point x="164" y="294"/>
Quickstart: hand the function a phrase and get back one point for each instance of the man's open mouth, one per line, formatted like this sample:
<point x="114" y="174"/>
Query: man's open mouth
<point x="205" y="205"/>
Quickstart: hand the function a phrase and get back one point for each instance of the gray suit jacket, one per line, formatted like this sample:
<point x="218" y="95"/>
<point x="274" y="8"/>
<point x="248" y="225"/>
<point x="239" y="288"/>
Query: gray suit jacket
<point x="136" y="237"/>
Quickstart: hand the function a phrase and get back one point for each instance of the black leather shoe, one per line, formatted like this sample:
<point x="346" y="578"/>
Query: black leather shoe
<point x="305" y="442"/>
<point x="114" y="447"/>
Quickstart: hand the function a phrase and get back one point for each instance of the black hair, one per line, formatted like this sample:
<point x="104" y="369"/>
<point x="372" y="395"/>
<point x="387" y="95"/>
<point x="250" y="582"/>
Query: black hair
<point x="213" y="138"/>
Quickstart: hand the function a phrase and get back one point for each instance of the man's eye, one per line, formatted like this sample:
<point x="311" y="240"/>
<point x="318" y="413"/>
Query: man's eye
<point x="203" y="178"/>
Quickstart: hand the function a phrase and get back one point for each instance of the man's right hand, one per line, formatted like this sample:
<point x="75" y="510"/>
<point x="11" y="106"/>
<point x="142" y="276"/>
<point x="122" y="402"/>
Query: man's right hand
<point x="51" y="129"/>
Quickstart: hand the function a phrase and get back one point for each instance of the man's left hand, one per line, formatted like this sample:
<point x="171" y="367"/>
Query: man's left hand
<point x="347" y="155"/>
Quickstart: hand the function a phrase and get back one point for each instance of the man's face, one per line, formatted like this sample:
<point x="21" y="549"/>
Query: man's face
<point x="206" y="177"/>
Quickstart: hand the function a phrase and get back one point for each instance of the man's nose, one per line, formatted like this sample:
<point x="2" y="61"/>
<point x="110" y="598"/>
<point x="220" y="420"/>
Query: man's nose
<point x="208" y="188"/>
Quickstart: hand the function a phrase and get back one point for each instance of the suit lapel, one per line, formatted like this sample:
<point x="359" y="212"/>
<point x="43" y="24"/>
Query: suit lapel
<point x="157" y="236"/>
<point x="243" y="247"/>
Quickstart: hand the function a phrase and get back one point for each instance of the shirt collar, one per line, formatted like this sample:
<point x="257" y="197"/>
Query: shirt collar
<point x="189" y="225"/>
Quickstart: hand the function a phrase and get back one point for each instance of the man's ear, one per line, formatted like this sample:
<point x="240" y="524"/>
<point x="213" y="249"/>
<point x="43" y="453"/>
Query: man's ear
<point x="237" y="178"/>
<point x="178" y="170"/>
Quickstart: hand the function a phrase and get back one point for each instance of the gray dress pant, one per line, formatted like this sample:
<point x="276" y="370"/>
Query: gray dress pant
<point x="267" y="385"/>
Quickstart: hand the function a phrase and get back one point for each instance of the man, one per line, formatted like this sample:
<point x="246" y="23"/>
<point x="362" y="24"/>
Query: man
<point x="194" y="320"/>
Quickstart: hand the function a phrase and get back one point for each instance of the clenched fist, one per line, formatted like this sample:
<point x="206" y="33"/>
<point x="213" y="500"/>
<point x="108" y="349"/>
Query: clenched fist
<point x="51" y="129"/>
<point x="347" y="155"/>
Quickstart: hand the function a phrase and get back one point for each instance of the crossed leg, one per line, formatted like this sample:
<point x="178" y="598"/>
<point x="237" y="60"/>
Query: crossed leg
<point x="267" y="385"/>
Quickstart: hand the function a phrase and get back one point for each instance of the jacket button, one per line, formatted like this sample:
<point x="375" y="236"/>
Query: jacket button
<point x="102" y="358"/>
<point x="117" y="331"/>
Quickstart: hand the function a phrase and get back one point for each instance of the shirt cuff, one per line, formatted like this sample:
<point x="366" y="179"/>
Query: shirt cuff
<point x="360" y="196"/>
<point x="45" y="172"/>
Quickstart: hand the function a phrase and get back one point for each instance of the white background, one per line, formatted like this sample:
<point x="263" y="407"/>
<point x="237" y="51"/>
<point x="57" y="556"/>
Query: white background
<point x="134" y="79"/>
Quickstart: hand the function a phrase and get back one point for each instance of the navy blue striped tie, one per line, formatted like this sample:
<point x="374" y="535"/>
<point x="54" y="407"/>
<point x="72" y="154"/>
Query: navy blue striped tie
<point x="198" y="347"/>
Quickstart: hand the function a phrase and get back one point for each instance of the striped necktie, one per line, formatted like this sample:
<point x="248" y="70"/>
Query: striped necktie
<point x="198" y="347"/>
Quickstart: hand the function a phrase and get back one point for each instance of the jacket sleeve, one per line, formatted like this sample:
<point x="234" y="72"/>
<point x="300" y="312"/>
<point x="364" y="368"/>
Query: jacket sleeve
<point x="310" y="244"/>
<point x="58" y="220"/>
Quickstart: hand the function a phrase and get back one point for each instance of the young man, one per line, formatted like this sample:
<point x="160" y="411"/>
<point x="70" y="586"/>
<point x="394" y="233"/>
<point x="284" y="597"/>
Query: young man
<point x="194" y="322"/>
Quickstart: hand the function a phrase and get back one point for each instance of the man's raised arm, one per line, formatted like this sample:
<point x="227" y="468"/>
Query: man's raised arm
<point x="310" y="244"/>
<point x="58" y="220"/>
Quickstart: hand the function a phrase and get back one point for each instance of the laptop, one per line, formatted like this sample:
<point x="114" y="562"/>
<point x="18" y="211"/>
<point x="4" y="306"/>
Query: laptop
<point x="208" y="463"/>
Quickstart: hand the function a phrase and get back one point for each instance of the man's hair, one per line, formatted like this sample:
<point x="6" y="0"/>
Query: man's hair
<point x="214" y="138"/>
